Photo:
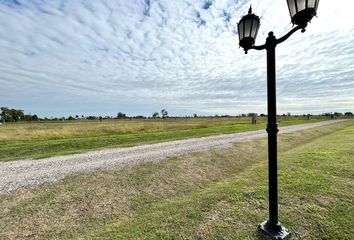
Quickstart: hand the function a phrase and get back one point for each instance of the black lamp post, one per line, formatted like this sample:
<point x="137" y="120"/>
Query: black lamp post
<point x="301" y="12"/>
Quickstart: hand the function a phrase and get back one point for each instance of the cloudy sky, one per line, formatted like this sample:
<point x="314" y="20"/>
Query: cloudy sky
<point x="68" y="57"/>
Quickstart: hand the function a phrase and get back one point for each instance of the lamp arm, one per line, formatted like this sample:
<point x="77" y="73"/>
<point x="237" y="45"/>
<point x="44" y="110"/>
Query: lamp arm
<point x="277" y="41"/>
<point x="286" y="36"/>
<point x="260" y="47"/>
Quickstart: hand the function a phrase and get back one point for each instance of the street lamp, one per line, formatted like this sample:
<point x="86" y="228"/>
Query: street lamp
<point x="301" y="13"/>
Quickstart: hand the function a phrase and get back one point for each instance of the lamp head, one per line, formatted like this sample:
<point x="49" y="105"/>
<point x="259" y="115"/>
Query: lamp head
<point x="302" y="11"/>
<point x="248" y="29"/>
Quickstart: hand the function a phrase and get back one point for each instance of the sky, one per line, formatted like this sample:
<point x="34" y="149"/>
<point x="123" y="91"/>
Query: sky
<point x="101" y="57"/>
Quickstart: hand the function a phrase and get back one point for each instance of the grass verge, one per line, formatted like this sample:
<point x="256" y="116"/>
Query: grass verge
<point x="211" y="195"/>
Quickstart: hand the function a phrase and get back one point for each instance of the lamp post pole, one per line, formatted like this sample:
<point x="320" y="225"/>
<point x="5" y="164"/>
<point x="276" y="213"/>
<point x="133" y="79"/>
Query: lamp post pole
<point x="272" y="129"/>
<point x="272" y="227"/>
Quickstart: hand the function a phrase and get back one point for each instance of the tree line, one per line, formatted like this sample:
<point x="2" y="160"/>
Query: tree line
<point x="15" y="115"/>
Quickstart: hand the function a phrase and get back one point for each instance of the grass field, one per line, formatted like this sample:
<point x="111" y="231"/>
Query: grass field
<point x="44" y="139"/>
<point x="211" y="195"/>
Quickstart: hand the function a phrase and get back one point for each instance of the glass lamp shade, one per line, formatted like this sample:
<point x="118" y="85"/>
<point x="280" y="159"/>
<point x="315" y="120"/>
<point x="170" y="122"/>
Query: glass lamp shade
<point x="302" y="11"/>
<point x="248" y="29"/>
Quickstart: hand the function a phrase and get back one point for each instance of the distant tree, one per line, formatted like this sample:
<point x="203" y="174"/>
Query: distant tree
<point x="35" y="117"/>
<point x="5" y="114"/>
<point x="348" y="114"/>
<point x="139" y="117"/>
<point x="164" y="113"/>
<point x="338" y="114"/>
<point x="155" y="115"/>
<point x="195" y="115"/>
<point x="100" y="118"/>
<point x="77" y="116"/>
<point x="262" y="115"/>
<point x="91" y="117"/>
<point x="82" y="116"/>
<point x="17" y="114"/>
<point x="121" y="115"/>
<point x="71" y="118"/>
<point x="14" y="115"/>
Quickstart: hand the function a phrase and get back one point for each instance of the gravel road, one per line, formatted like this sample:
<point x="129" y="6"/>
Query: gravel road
<point x="16" y="175"/>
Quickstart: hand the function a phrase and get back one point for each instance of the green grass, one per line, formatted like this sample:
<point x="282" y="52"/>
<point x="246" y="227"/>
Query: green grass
<point x="211" y="195"/>
<point x="39" y="140"/>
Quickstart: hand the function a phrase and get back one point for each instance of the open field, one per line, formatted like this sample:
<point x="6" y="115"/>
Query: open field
<point x="15" y="175"/>
<point x="39" y="140"/>
<point x="211" y="195"/>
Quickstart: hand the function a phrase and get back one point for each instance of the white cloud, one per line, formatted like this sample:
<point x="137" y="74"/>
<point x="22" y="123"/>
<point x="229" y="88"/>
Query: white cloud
<point x="68" y="57"/>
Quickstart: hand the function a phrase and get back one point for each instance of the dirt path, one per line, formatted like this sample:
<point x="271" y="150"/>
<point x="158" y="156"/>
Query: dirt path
<point x="20" y="174"/>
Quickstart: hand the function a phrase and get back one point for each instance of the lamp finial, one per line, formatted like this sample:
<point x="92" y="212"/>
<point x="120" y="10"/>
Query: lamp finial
<point x="250" y="10"/>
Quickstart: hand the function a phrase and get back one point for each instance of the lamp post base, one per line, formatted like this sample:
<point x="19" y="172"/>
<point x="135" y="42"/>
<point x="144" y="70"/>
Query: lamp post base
<point x="274" y="231"/>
